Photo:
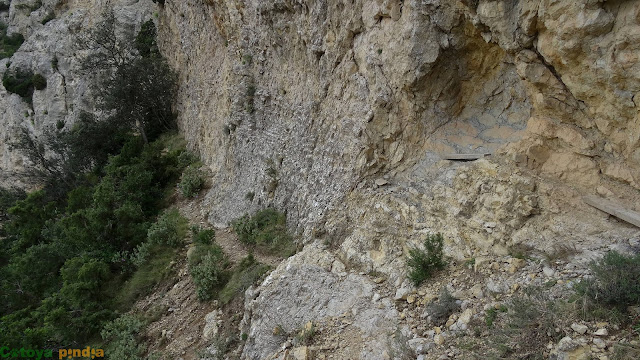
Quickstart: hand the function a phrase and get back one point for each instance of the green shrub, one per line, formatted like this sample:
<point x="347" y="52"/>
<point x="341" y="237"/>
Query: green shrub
<point x="4" y="6"/>
<point x="204" y="237"/>
<point x="614" y="285"/>
<point x="8" y="197"/>
<point x="266" y="229"/>
<point x="206" y="266"/>
<point x="423" y="263"/>
<point x="23" y="83"/>
<point x="145" y="41"/>
<point x="9" y="44"/>
<point x="50" y="16"/>
<point x="170" y="229"/>
<point x="123" y="338"/>
<point x="192" y="182"/>
<point x="245" y="274"/>
<point x="39" y="82"/>
<point x="153" y="266"/>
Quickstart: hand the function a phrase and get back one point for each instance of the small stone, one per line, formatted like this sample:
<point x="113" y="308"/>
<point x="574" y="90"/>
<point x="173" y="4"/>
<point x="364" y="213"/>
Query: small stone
<point x="548" y="272"/>
<point x="566" y="344"/>
<point x="579" y="328"/>
<point x="402" y="293"/>
<point x="599" y="343"/>
<point x="465" y="317"/>
<point x="301" y="353"/>
<point x="411" y="299"/>
<point x="438" y="339"/>
<point x="518" y="263"/>
<point x="601" y="332"/>
<point x="476" y="291"/>
<point x="381" y="182"/>
<point x="437" y="329"/>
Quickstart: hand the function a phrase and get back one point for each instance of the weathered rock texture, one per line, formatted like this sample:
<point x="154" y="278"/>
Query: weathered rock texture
<point x="315" y="106"/>
<point x="337" y="112"/>
<point x="51" y="50"/>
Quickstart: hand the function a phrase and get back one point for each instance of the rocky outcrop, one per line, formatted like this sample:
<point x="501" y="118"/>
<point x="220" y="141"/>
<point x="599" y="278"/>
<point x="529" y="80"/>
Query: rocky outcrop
<point x="302" y="103"/>
<point x="50" y="49"/>
<point x="337" y="112"/>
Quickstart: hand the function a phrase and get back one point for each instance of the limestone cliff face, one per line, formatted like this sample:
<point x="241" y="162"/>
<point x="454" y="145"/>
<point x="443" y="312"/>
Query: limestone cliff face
<point x="50" y="50"/>
<point x="338" y="111"/>
<point x="312" y="106"/>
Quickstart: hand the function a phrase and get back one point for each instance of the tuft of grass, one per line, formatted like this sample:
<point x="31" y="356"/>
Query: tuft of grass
<point x="492" y="314"/>
<point x="398" y="346"/>
<point x="614" y="287"/>
<point x="423" y="263"/>
<point x="560" y="252"/>
<point x="267" y="230"/>
<point x="530" y="321"/>
<point x="150" y="273"/>
<point x="246" y="273"/>
<point x="439" y="310"/>
<point x="305" y="336"/>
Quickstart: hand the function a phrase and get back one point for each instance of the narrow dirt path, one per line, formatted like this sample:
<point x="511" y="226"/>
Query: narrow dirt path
<point x="235" y="250"/>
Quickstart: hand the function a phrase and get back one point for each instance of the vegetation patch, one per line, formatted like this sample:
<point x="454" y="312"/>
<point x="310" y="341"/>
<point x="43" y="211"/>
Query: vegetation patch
<point x="267" y="230"/>
<point x="50" y="16"/>
<point x="23" y="83"/>
<point x="170" y="229"/>
<point x="424" y="262"/>
<point x="123" y="338"/>
<point x="9" y="44"/>
<point x="90" y="242"/>
<point x="155" y="268"/>
<point x="207" y="266"/>
<point x="613" y="289"/>
<point x="440" y="309"/>
<point x="192" y="182"/>
<point x="245" y="274"/>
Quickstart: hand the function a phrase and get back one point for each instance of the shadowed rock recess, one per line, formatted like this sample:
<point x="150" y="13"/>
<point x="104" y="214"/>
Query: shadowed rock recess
<point x="338" y="113"/>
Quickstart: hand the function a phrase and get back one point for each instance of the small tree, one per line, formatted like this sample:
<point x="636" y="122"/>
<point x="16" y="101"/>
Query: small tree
<point x="424" y="262"/>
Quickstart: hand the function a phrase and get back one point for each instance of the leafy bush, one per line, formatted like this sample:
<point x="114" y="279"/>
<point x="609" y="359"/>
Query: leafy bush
<point x="204" y="237"/>
<point x="8" y="197"/>
<point x="122" y="337"/>
<point x="207" y="266"/>
<point x="266" y="229"/>
<point x="39" y="82"/>
<point x="423" y="263"/>
<point x="23" y="83"/>
<point x="145" y="41"/>
<point x="192" y="182"/>
<point x="614" y="284"/>
<point x="9" y="44"/>
<point x="170" y="229"/>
